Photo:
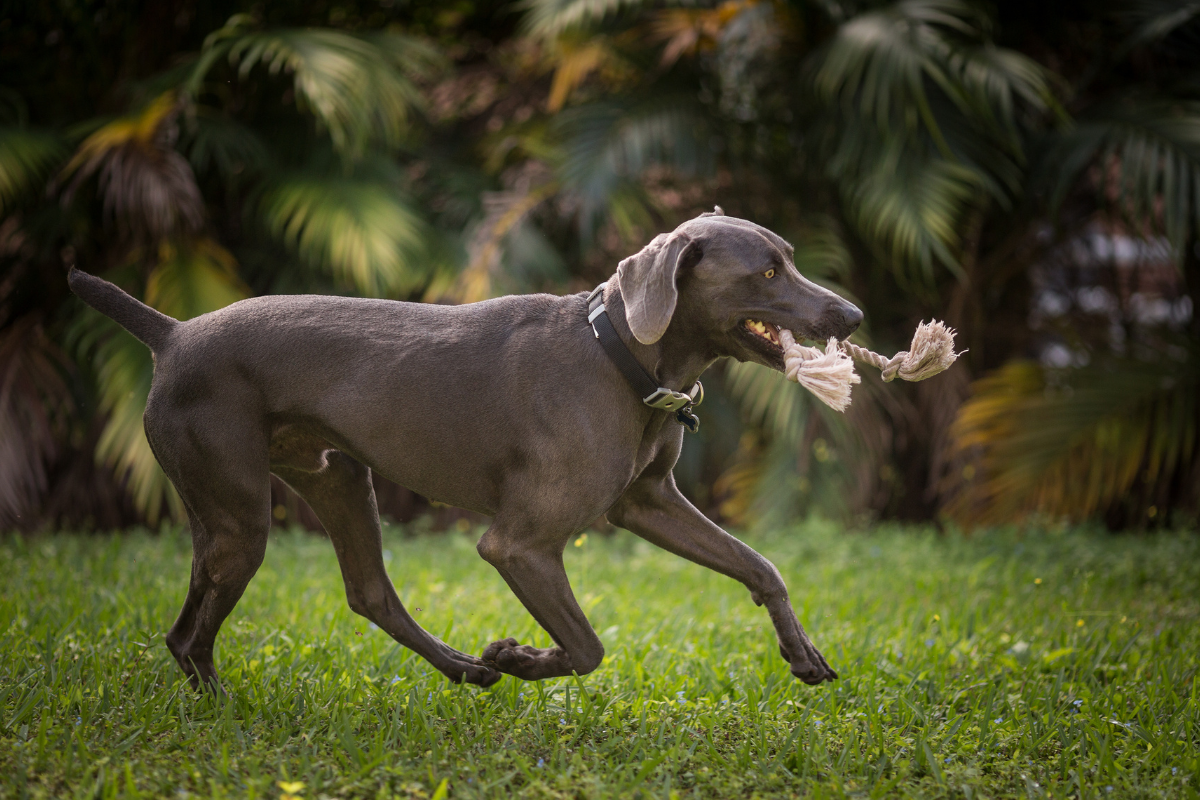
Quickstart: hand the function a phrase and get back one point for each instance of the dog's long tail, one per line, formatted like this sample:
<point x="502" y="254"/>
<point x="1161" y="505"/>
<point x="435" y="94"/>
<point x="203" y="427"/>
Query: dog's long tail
<point x="152" y="327"/>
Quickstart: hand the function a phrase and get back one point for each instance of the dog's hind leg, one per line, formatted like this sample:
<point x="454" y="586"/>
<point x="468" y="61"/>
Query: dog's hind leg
<point x="339" y="490"/>
<point x="219" y="466"/>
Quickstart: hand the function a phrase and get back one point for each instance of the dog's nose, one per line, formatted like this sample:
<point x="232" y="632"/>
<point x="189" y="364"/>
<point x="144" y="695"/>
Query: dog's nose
<point x="852" y="317"/>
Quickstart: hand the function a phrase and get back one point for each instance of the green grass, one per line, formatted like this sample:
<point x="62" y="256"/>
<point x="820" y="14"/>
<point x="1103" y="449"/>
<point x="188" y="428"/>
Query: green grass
<point x="1055" y="664"/>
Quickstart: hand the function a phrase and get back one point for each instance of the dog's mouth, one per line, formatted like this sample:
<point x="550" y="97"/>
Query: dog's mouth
<point x="763" y="333"/>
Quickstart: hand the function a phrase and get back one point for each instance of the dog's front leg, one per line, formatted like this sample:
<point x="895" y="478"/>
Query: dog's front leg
<point x="533" y="568"/>
<point x="654" y="509"/>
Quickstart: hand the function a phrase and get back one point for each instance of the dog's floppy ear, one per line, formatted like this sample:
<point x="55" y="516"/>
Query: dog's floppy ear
<point x="648" y="283"/>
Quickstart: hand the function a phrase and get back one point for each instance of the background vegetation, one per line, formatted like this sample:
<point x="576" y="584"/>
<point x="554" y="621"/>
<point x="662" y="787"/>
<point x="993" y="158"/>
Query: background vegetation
<point x="1029" y="172"/>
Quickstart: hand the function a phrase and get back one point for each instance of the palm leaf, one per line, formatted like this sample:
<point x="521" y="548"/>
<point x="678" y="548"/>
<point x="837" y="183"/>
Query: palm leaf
<point x="1149" y="147"/>
<point x="606" y="147"/>
<point x="1154" y="20"/>
<point x="1080" y="447"/>
<point x="909" y="208"/>
<point x="214" y="141"/>
<point x="504" y="213"/>
<point x="26" y="158"/>
<point x="193" y="278"/>
<point x="878" y="63"/>
<point x="124" y="371"/>
<point x="362" y="230"/>
<point x="575" y="59"/>
<point x="148" y="187"/>
<point x="359" y="87"/>
<point x="923" y="119"/>
<point x="34" y="400"/>
<point x="548" y="18"/>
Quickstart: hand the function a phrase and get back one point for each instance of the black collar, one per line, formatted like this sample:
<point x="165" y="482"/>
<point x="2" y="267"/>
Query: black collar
<point x="638" y="377"/>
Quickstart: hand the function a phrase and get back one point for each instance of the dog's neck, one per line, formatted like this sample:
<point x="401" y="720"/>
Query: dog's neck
<point x="676" y="360"/>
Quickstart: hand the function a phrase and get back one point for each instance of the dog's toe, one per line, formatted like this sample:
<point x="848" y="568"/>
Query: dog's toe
<point x="493" y="650"/>
<point x="476" y="674"/>
<point x="809" y="673"/>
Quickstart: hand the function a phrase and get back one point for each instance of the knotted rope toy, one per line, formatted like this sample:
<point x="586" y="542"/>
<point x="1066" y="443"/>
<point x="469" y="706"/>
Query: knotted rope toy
<point x="830" y="374"/>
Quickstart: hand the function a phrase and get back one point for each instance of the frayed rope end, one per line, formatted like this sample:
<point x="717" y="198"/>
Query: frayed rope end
<point x="829" y="375"/>
<point x="931" y="352"/>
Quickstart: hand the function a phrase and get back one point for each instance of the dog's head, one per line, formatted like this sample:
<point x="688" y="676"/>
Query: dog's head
<point x="735" y="284"/>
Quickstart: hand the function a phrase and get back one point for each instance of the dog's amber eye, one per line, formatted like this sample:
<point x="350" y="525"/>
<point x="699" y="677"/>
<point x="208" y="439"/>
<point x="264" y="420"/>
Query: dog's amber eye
<point x="769" y="273"/>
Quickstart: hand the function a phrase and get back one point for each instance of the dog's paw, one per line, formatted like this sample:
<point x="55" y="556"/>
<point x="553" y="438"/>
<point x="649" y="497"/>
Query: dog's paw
<point x="524" y="661"/>
<point x="808" y="665"/>
<point x="481" y="675"/>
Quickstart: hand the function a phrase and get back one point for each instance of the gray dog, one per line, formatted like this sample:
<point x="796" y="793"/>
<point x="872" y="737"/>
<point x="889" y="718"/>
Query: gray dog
<point x="509" y="407"/>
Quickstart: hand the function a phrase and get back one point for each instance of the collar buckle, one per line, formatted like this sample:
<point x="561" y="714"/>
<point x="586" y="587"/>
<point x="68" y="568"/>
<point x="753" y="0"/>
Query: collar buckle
<point x="667" y="400"/>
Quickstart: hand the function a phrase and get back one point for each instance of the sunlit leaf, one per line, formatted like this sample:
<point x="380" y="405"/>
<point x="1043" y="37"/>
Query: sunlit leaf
<point x="124" y="370"/>
<point x="503" y="213"/>
<point x="359" y="87"/>
<point x="575" y="61"/>
<point x="910" y="209"/>
<point x="1079" y="445"/>
<point x="193" y="278"/>
<point x="1157" y="19"/>
<point x="690" y="30"/>
<point x="551" y="17"/>
<point x="361" y="230"/>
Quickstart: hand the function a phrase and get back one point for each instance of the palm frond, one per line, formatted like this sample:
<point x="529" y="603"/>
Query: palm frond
<point x="1154" y="20"/>
<point x="1079" y="447"/>
<point x="548" y="18"/>
<point x="1148" y="152"/>
<point x="26" y="158"/>
<point x="193" y="278"/>
<point x="575" y="59"/>
<point x="882" y="65"/>
<point x="124" y="370"/>
<point x="148" y="188"/>
<point x="689" y="30"/>
<point x="821" y="254"/>
<point x="33" y="402"/>
<point x="878" y="62"/>
<point x="909" y="209"/>
<point x="359" y="88"/>
<point x="606" y="146"/>
<point x="215" y="141"/>
<point x="925" y="116"/>
<point x="797" y="455"/>
<point x="362" y="230"/>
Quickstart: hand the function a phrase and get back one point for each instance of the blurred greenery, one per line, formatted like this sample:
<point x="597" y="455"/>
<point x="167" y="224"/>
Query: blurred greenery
<point x="927" y="158"/>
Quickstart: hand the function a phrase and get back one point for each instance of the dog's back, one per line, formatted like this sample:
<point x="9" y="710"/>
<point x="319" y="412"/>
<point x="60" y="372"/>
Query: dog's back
<point x="410" y="389"/>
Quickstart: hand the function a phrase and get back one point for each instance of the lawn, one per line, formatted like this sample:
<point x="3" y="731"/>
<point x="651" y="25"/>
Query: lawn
<point x="1049" y="663"/>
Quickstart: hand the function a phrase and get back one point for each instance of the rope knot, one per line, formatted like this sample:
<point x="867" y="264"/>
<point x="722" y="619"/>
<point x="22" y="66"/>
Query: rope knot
<point x="893" y="367"/>
<point x="829" y="375"/>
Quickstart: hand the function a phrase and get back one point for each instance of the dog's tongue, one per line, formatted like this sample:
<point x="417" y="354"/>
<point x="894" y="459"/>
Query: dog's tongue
<point x="829" y="375"/>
